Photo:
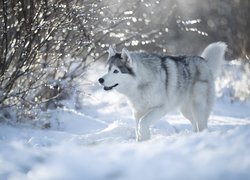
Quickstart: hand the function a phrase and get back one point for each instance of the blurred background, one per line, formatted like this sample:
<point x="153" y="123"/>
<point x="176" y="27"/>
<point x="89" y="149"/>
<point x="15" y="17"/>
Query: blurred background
<point x="46" y="46"/>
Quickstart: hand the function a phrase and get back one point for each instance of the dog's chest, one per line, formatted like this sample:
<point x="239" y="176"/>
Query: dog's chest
<point x="142" y="101"/>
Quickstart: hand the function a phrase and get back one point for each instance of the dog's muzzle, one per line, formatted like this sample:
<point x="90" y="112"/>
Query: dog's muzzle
<point x="107" y="88"/>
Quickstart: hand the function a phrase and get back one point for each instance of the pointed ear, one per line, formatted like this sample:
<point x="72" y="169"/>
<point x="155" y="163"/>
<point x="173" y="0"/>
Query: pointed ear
<point x="111" y="51"/>
<point x="126" y="58"/>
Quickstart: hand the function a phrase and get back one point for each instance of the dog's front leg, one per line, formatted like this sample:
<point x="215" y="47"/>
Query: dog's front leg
<point x="137" y="116"/>
<point x="145" y="121"/>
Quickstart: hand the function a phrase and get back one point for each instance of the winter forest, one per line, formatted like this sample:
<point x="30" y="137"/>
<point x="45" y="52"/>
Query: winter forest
<point x="57" y="122"/>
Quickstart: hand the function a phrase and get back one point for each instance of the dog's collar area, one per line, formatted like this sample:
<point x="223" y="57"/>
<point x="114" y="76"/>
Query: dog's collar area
<point x="106" y="88"/>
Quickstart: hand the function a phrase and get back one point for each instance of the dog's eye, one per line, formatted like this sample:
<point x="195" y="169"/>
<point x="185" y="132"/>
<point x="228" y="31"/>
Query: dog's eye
<point x="115" y="71"/>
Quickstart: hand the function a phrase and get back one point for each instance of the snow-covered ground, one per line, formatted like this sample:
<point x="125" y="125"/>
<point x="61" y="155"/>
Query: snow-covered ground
<point x="98" y="142"/>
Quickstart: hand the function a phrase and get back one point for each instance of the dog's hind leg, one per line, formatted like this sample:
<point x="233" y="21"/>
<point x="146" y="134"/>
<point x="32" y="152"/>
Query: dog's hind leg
<point x="186" y="110"/>
<point x="200" y="106"/>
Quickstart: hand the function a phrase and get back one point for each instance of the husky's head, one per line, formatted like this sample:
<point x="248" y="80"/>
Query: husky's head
<point x="120" y="71"/>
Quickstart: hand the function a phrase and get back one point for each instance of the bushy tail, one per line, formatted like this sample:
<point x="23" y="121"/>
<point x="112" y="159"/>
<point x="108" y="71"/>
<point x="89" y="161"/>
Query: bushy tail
<point x="214" y="54"/>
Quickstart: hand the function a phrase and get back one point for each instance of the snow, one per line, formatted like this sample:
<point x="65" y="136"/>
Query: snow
<point x="98" y="142"/>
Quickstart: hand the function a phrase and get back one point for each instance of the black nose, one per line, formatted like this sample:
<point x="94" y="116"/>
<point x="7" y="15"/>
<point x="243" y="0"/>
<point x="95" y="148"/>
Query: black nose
<point x="101" y="80"/>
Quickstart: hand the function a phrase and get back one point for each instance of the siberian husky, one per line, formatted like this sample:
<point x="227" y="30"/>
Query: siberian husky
<point x="156" y="84"/>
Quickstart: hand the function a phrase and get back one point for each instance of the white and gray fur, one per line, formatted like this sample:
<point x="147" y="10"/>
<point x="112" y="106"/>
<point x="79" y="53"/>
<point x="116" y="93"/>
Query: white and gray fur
<point x="156" y="84"/>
